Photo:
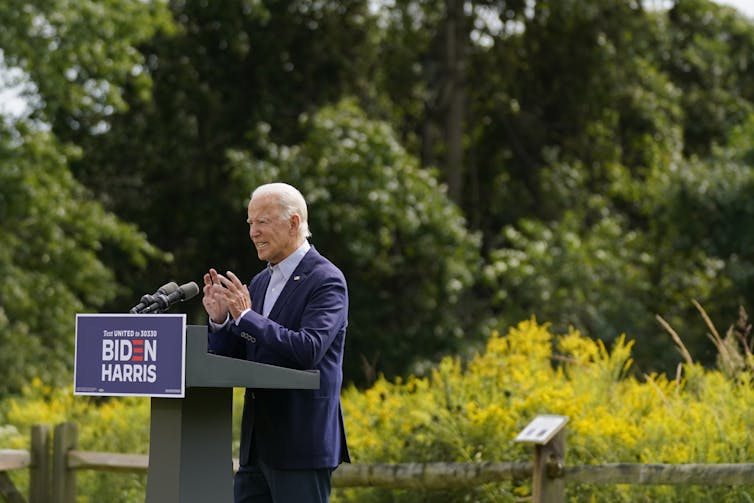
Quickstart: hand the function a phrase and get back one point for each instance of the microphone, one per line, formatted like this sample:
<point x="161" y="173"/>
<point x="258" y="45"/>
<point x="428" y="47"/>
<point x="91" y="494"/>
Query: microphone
<point x="147" y="300"/>
<point x="162" y="302"/>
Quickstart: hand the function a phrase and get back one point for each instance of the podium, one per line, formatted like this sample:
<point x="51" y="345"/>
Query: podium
<point x="190" y="445"/>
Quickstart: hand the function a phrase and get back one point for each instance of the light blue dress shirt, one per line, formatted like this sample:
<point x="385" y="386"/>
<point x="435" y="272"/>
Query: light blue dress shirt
<point x="280" y="273"/>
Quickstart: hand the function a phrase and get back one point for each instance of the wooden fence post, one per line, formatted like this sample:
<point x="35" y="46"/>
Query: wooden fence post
<point x="8" y="491"/>
<point x="548" y="485"/>
<point x="39" y="471"/>
<point x="63" y="478"/>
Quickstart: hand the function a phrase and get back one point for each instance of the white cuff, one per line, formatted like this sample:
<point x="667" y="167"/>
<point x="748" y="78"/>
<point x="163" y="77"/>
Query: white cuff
<point x="214" y="327"/>
<point x="243" y="313"/>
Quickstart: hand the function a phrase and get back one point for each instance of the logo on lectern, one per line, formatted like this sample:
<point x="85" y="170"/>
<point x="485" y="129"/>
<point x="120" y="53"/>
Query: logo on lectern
<point x="129" y="360"/>
<point x="129" y="355"/>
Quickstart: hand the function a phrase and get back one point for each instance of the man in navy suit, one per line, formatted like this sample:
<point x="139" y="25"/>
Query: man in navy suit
<point x="293" y="314"/>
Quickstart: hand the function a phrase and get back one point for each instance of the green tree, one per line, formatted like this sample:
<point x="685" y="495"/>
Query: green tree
<point x="710" y="57"/>
<point x="60" y="245"/>
<point x="594" y="146"/>
<point x="590" y="135"/>
<point x="592" y="271"/>
<point x="53" y="257"/>
<point x="403" y="246"/>
<point x="227" y="67"/>
<point x="707" y="207"/>
<point x="428" y="69"/>
<point x="81" y="57"/>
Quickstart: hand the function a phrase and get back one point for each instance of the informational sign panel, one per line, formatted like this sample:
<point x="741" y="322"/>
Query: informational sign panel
<point x="130" y="354"/>
<point x="542" y="429"/>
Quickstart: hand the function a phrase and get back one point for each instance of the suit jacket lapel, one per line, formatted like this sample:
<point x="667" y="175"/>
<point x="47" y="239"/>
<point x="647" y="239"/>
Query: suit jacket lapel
<point x="257" y="296"/>
<point x="296" y="279"/>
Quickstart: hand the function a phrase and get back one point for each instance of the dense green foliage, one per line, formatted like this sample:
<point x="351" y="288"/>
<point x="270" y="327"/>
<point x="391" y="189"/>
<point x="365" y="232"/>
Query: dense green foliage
<point x="62" y="252"/>
<point x="588" y="162"/>
<point x="53" y="258"/>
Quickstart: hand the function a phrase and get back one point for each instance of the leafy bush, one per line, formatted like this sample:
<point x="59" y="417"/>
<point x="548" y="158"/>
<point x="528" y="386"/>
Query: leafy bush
<point x="473" y="411"/>
<point x="107" y="424"/>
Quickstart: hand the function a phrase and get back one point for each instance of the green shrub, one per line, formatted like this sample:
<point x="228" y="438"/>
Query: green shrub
<point x="471" y="411"/>
<point x="105" y="424"/>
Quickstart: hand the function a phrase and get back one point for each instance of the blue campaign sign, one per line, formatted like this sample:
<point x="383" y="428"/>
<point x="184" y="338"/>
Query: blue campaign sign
<point x="130" y="354"/>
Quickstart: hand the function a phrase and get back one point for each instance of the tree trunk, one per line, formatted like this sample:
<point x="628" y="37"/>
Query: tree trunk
<point x="454" y="96"/>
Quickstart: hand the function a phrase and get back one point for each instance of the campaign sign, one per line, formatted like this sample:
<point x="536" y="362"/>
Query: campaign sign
<point x="130" y="354"/>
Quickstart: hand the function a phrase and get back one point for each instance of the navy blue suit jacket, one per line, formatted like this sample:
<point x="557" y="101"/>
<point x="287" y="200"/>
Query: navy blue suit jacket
<point x="306" y="330"/>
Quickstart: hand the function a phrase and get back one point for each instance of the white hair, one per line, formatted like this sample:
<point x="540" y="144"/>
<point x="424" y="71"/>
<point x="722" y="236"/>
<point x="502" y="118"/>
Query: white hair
<point x="291" y="203"/>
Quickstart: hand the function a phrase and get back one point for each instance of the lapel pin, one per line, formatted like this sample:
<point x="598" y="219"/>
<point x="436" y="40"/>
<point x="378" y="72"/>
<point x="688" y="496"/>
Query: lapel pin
<point x="296" y="278"/>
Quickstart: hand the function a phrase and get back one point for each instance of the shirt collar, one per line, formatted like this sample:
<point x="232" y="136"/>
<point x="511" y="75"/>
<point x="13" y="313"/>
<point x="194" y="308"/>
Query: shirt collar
<point x="289" y="263"/>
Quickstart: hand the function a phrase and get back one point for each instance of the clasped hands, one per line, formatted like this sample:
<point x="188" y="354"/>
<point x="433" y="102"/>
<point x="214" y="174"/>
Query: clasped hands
<point x="223" y="295"/>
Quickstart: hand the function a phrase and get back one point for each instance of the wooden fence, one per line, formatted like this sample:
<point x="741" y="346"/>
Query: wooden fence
<point x="53" y="463"/>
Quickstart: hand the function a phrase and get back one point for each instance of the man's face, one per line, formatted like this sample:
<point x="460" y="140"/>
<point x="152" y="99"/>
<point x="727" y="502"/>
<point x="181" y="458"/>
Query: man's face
<point x="273" y="236"/>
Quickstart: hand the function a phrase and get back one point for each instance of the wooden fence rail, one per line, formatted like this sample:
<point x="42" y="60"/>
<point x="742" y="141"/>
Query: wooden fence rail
<point x="388" y="475"/>
<point x="53" y="466"/>
<point x="723" y="474"/>
<point x="12" y="460"/>
<point x="36" y="460"/>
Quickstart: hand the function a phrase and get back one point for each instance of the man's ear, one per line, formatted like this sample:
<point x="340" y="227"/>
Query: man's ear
<point x="295" y="222"/>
